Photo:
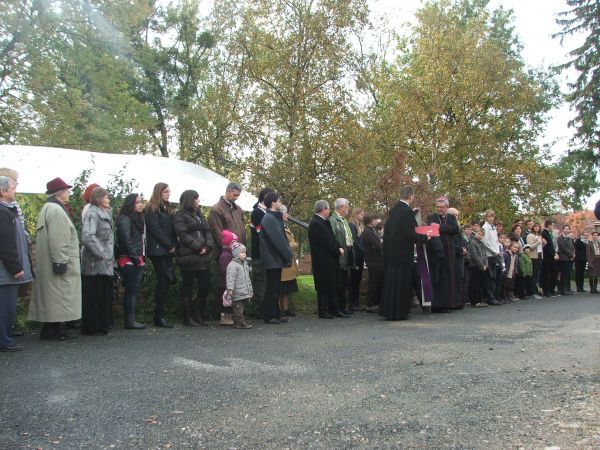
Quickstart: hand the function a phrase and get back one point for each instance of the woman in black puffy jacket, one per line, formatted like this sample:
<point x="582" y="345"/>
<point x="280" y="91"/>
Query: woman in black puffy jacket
<point x="130" y="254"/>
<point x="193" y="257"/>
<point x="160" y="247"/>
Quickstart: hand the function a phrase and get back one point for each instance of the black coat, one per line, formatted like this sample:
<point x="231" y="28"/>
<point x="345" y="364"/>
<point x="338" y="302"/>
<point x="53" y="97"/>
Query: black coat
<point x="9" y="252"/>
<point x="372" y="246"/>
<point x="275" y="251"/>
<point x="548" y="250"/>
<point x="324" y="253"/>
<point x="193" y="235"/>
<point x="359" y="253"/>
<point x="130" y="241"/>
<point x="256" y="218"/>
<point x="400" y="236"/>
<point x="160" y="235"/>
<point x="597" y="210"/>
<point x="580" y="250"/>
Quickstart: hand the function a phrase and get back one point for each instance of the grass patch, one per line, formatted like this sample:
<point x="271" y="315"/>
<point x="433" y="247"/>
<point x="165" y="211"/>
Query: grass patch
<point x="304" y="301"/>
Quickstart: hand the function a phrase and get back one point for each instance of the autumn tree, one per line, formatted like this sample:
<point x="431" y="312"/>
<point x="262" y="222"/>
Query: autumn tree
<point x="462" y="106"/>
<point x="296" y="59"/>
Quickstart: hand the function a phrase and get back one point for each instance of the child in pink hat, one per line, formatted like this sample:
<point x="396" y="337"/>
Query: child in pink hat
<point x="228" y="239"/>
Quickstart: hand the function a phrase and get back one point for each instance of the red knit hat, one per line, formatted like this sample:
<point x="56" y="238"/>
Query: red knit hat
<point x="227" y="237"/>
<point x="87" y="194"/>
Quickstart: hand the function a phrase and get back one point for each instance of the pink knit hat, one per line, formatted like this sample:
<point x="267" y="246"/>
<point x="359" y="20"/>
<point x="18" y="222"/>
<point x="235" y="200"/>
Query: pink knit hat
<point x="227" y="237"/>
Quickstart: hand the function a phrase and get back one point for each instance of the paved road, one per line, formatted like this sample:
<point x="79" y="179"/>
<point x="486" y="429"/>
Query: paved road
<point x="525" y="375"/>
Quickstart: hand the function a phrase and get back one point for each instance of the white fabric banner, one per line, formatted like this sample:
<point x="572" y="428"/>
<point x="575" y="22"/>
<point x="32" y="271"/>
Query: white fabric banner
<point x="38" y="165"/>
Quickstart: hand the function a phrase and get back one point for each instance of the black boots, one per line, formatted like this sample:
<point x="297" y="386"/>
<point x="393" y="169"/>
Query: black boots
<point x="54" y="331"/>
<point x="187" y="312"/>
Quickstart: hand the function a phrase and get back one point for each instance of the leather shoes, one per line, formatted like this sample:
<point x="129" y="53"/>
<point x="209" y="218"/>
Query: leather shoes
<point x="283" y="319"/>
<point x="326" y="316"/>
<point x="342" y="314"/>
<point x="288" y="313"/>
<point x="162" y="323"/>
<point x="12" y="348"/>
<point x="347" y="312"/>
<point x="273" y="322"/>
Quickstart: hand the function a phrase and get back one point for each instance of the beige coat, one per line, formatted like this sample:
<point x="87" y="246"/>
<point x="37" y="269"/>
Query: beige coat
<point x="56" y="298"/>
<point x="290" y="273"/>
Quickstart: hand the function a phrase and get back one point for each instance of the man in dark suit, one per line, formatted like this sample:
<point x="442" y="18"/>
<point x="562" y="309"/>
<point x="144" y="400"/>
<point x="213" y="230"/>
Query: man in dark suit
<point x="325" y="261"/>
<point x="399" y="257"/>
<point x="549" y="265"/>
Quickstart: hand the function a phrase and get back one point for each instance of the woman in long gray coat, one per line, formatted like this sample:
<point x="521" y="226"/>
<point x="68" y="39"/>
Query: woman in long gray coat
<point x="56" y="296"/>
<point x="97" y="256"/>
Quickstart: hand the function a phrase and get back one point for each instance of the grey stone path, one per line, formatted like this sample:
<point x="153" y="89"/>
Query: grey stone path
<point x="525" y="375"/>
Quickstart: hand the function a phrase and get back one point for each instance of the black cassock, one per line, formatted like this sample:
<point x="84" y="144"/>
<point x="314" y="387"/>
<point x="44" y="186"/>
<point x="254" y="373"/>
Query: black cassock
<point x="398" y="260"/>
<point x="445" y="263"/>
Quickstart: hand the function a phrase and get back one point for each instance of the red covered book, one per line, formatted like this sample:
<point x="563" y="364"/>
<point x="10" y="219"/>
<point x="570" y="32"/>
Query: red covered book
<point x="429" y="230"/>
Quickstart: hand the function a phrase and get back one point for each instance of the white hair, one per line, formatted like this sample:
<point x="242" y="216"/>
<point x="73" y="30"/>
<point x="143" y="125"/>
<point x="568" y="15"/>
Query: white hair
<point x="5" y="183"/>
<point x="283" y="209"/>
<point x="339" y="202"/>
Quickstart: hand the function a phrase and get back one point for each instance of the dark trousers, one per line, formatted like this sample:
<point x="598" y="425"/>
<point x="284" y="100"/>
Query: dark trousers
<point x="8" y="312"/>
<point x="565" y="268"/>
<point x="201" y="279"/>
<point x="341" y="284"/>
<point x="548" y="275"/>
<point x="354" y="284"/>
<point x="490" y="279"/>
<point x="535" y="276"/>
<point x="527" y="286"/>
<point x="132" y="280"/>
<point x="374" y="284"/>
<point x="161" y="291"/>
<point x="579" y="274"/>
<point x="327" y="302"/>
<point x="258" y="285"/>
<point x="271" y="300"/>
<point x="96" y="303"/>
<point x="477" y="280"/>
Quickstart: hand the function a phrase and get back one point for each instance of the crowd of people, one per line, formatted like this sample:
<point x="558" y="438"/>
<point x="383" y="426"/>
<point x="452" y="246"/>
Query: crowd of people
<point x="440" y="266"/>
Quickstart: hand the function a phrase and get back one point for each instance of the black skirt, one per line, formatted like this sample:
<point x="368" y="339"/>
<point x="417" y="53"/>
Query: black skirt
<point x="287" y="287"/>
<point x="96" y="303"/>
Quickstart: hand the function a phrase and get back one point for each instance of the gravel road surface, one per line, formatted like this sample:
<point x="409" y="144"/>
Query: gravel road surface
<point x="524" y="375"/>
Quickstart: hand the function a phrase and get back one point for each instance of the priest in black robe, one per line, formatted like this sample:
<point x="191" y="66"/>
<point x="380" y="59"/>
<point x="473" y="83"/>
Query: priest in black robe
<point x="445" y="259"/>
<point x="399" y="258"/>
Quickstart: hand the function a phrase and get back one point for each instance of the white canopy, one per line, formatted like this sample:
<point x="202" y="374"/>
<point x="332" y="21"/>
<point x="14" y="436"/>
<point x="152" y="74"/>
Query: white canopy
<point x="38" y="165"/>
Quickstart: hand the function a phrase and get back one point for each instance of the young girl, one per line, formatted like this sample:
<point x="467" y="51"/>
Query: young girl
<point x="239" y="285"/>
<point x="228" y="239"/>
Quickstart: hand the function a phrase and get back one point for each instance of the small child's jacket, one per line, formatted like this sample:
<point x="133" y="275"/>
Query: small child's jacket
<point x="238" y="279"/>
<point x="525" y="266"/>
